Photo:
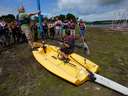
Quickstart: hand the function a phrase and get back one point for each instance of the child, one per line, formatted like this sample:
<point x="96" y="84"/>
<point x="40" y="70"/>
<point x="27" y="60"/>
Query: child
<point x="45" y="29"/>
<point x="34" y="29"/>
<point x="82" y="36"/>
<point x="65" y="27"/>
<point x="51" y="29"/>
<point x="58" y="27"/>
<point x="82" y="28"/>
<point x="2" y="34"/>
<point x="15" y="29"/>
<point x="72" y="25"/>
<point x="69" y="45"/>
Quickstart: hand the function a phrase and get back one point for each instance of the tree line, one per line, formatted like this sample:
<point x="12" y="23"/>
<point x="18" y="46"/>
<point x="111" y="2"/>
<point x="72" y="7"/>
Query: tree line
<point x="10" y="17"/>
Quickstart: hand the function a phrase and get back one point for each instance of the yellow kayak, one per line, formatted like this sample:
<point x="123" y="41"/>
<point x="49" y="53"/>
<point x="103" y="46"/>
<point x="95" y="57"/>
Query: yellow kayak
<point x="73" y="71"/>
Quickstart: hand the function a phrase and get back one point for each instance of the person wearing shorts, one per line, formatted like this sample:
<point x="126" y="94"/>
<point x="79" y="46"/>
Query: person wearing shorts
<point x="45" y="28"/>
<point x="69" y="45"/>
<point x="65" y="27"/>
<point x="82" y="29"/>
<point x="51" y="29"/>
<point x="24" y="20"/>
<point x="72" y="27"/>
<point x="58" y="28"/>
<point x="2" y="34"/>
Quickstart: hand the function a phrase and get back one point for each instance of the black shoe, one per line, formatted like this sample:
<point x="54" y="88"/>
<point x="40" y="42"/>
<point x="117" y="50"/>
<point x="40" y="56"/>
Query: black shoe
<point x="66" y="60"/>
<point x="34" y="49"/>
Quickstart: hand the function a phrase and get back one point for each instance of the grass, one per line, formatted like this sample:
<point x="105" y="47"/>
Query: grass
<point x="22" y="76"/>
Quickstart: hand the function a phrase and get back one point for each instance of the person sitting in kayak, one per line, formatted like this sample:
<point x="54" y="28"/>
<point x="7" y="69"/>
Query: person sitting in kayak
<point x="68" y="46"/>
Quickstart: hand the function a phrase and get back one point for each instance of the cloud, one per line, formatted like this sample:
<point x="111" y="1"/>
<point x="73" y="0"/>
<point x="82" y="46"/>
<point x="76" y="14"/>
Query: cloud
<point x="92" y="9"/>
<point x="86" y="9"/>
<point x="108" y="2"/>
<point x="81" y="6"/>
<point x="111" y="15"/>
<point x="6" y="10"/>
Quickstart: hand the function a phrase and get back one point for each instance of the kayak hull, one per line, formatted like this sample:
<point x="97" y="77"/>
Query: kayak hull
<point x="73" y="71"/>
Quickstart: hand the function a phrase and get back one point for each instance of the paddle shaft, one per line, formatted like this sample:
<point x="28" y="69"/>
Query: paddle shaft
<point x="40" y="17"/>
<point x="86" y="48"/>
<point x="61" y="41"/>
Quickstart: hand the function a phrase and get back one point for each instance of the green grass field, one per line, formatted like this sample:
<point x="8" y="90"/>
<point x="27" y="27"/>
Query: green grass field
<point x="21" y="75"/>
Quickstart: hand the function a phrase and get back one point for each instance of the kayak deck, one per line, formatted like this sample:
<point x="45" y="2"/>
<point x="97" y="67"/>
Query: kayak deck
<point x="73" y="71"/>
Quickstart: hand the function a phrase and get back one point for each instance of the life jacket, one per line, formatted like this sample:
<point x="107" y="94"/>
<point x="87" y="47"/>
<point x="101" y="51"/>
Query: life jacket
<point x="82" y="26"/>
<point x="58" y="23"/>
<point x="45" y="26"/>
<point x="65" y="25"/>
<point x="51" y="25"/>
<point x="72" y="25"/>
<point x="23" y="20"/>
<point x="2" y="24"/>
<point x="34" y="27"/>
<point x="70" y="40"/>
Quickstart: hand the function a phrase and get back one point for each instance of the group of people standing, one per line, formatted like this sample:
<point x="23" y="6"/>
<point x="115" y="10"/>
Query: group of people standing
<point x="10" y="33"/>
<point x="23" y="28"/>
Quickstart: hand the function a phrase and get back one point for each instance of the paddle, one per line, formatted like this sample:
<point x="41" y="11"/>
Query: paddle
<point x="86" y="48"/>
<point x="40" y="25"/>
<point x="60" y="42"/>
<point x="40" y="17"/>
<point x="44" y="48"/>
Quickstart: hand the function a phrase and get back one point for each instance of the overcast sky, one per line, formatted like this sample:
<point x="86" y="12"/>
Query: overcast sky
<point x="89" y="10"/>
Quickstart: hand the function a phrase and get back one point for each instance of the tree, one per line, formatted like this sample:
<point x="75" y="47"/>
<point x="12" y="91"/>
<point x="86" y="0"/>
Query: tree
<point x="62" y="17"/>
<point x="70" y="16"/>
<point x="56" y="17"/>
<point x="8" y="18"/>
<point x="11" y="16"/>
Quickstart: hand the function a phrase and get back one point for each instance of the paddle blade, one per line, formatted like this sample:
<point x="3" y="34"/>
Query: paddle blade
<point x="86" y="49"/>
